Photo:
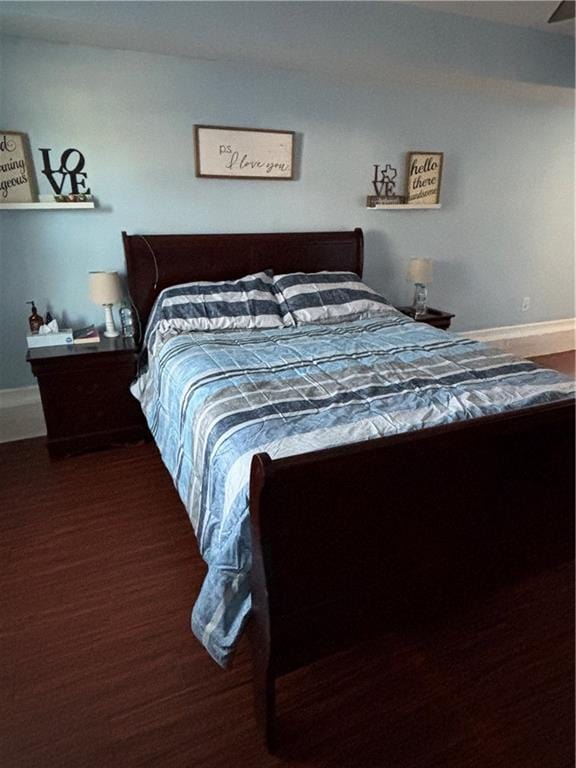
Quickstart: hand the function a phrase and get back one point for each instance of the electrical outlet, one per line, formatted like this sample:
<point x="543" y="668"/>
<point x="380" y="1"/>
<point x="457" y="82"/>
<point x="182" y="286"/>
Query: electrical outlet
<point x="525" y="303"/>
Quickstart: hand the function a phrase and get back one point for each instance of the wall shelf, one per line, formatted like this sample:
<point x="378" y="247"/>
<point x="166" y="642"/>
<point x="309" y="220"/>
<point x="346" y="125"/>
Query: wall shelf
<point x="404" y="207"/>
<point x="44" y="206"/>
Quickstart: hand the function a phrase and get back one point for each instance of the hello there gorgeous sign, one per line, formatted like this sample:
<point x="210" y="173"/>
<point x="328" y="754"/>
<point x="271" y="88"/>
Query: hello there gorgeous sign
<point x="241" y="153"/>
<point x="424" y="177"/>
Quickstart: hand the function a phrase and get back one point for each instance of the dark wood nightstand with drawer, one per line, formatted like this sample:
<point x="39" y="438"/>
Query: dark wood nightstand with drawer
<point x="85" y="395"/>
<point x="435" y="317"/>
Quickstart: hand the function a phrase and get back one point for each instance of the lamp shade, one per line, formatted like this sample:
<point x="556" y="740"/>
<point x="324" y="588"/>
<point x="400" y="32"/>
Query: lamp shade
<point x="420" y="271"/>
<point x="105" y="287"/>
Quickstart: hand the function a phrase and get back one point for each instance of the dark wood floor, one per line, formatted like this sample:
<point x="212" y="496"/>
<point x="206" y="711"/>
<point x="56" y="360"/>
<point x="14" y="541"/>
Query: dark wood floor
<point x="98" y="667"/>
<point x="565" y="362"/>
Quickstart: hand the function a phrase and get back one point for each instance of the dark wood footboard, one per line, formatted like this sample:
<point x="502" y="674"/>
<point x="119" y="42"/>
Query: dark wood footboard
<point x="381" y="533"/>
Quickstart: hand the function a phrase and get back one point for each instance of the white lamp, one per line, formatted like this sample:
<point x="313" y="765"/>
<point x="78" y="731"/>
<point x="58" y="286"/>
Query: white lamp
<point x="420" y="273"/>
<point x="105" y="289"/>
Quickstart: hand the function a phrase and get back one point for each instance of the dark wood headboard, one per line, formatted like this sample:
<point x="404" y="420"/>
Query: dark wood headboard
<point x="154" y="262"/>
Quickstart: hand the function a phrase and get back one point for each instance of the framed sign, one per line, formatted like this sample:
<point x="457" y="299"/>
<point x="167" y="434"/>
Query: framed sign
<point x="17" y="180"/>
<point x="243" y="153"/>
<point x="424" y="177"/>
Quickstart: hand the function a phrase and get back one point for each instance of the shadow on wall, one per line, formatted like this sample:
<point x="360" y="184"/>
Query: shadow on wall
<point x="380" y="271"/>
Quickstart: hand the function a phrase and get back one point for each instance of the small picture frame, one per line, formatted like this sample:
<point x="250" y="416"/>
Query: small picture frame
<point x="222" y="152"/>
<point x="17" y="179"/>
<point x="424" y="177"/>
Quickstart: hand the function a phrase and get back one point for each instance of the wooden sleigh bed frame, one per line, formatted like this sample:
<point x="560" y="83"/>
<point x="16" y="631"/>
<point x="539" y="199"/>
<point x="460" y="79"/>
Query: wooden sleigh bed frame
<point x="394" y="528"/>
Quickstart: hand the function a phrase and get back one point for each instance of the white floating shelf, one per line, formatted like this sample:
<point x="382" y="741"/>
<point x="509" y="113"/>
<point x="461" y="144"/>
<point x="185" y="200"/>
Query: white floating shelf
<point x="404" y="207"/>
<point x="46" y="203"/>
<point x="43" y="206"/>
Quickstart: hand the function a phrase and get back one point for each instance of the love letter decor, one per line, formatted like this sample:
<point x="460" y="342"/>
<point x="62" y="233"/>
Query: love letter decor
<point x="424" y="177"/>
<point x="243" y="153"/>
<point x="71" y="169"/>
<point x="384" y="183"/>
<point x="17" y="180"/>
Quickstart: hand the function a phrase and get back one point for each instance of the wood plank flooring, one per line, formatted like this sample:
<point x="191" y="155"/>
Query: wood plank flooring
<point x="565" y="362"/>
<point x="98" y="667"/>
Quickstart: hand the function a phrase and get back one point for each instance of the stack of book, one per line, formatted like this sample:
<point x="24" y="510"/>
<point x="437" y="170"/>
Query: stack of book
<point x="88" y="335"/>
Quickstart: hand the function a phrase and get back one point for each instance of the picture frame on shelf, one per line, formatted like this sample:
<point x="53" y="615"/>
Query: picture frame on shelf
<point x="17" y="178"/>
<point x="223" y="152"/>
<point x="424" y="177"/>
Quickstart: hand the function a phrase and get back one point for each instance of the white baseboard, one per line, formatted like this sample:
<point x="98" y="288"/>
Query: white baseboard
<point x="21" y="410"/>
<point x="12" y="398"/>
<point x="21" y="414"/>
<point x="530" y="339"/>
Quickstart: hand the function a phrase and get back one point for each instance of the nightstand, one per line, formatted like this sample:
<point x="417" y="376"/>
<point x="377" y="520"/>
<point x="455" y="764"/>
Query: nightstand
<point x="435" y="317"/>
<point x="85" y="395"/>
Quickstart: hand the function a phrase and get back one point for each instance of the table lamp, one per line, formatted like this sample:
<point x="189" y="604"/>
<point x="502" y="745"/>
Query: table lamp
<point x="105" y="289"/>
<point x="420" y="273"/>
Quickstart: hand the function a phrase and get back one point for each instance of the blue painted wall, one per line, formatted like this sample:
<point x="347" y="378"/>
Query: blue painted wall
<point x="505" y="230"/>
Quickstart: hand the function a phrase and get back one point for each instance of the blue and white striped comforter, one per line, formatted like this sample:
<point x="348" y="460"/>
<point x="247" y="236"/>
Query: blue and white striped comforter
<point x="212" y="400"/>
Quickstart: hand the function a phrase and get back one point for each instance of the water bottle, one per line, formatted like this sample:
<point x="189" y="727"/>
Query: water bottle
<point x="127" y="322"/>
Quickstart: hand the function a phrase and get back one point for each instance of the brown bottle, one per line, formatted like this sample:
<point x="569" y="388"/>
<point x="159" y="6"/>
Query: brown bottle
<point x="35" y="320"/>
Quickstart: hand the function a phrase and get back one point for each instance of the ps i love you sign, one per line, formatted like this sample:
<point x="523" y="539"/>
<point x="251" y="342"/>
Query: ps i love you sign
<point x="243" y="153"/>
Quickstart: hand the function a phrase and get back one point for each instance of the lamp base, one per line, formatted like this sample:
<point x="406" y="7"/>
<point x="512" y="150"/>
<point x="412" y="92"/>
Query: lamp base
<point x="110" y="332"/>
<point x="420" y="298"/>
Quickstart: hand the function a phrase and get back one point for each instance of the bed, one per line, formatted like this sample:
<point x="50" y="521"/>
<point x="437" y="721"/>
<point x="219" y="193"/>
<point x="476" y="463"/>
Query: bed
<point x="359" y="534"/>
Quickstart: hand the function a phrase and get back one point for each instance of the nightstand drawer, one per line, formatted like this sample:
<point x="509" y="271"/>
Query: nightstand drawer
<point x="76" y="403"/>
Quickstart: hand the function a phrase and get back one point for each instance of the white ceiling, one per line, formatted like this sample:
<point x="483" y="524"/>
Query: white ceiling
<point x="520" y="13"/>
